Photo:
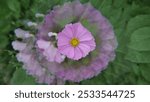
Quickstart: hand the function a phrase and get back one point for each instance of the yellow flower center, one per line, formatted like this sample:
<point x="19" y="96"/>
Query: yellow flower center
<point x="74" y="42"/>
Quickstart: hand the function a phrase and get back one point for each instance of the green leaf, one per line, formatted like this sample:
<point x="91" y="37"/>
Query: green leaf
<point x="40" y="6"/>
<point x="138" y="22"/>
<point x="21" y="78"/>
<point x="141" y="81"/>
<point x="138" y="57"/>
<point x="134" y="24"/>
<point x="13" y="5"/>
<point x="25" y="3"/>
<point x="145" y="2"/>
<point x="105" y="3"/>
<point x="140" y="39"/>
<point x="3" y="41"/>
<point x="138" y="49"/>
<point x="119" y="3"/>
<point x="96" y="3"/>
<point x="139" y="10"/>
<point x="4" y="26"/>
<point x="5" y="11"/>
<point x="145" y="69"/>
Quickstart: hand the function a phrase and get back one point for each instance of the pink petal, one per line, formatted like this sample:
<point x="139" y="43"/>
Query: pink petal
<point x="68" y="31"/>
<point x="63" y="47"/>
<point x="85" y="49"/>
<point x="74" y="29"/>
<point x="43" y="44"/>
<point x="90" y="43"/>
<point x="17" y="45"/>
<point x="50" y="53"/>
<point x="86" y="36"/>
<point x="67" y="50"/>
<point x="62" y="40"/>
<point x="22" y="33"/>
<point x="78" y="54"/>
<point x="80" y="30"/>
<point x="22" y="57"/>
<point x="59" y="58"/>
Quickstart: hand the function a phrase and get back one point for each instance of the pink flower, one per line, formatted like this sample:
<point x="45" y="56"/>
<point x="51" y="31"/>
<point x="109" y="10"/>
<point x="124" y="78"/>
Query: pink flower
<point x="22" y="33"/>
<point x="39" y="55"/>
<point x="75" y="41"/>
<point x="49" y="51"/>
<point x="17" y="45"/>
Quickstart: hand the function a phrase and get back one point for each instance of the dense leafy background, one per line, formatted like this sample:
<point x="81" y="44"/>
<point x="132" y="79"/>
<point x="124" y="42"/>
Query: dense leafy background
<point x="131" y="22"/>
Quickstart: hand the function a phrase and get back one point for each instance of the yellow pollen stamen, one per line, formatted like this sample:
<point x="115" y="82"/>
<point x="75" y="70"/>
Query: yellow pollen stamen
<point x="74" y="42"/>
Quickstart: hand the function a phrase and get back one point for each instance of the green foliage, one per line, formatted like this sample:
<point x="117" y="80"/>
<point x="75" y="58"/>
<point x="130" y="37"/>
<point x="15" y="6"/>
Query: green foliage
<point x="7" y="66"/>
<point x="138" y="22"/>
<point x="138" y="57"/>
<point x="14" y="6"/>
<point x="140" y="39"/>
<point x="21" y="78"/>
<point x="131" y="23"/>
<point x="145" y="69"/>
<point x="3" y="41"/>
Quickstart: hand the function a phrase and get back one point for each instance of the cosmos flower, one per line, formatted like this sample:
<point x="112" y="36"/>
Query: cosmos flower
<point x="74" y="43"/>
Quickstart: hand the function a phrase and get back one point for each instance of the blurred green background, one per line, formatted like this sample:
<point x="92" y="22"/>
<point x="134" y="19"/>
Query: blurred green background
<point x="131" y="22"/>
